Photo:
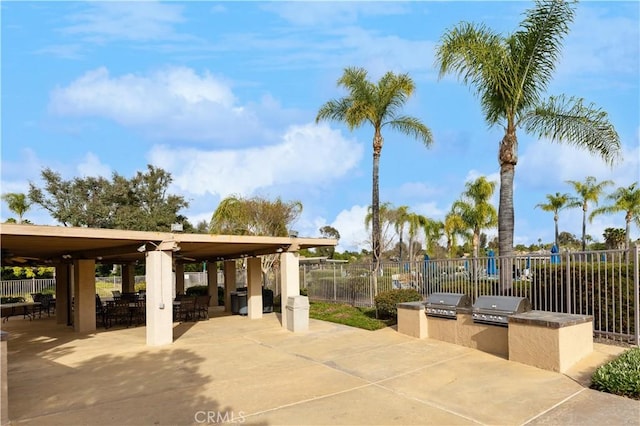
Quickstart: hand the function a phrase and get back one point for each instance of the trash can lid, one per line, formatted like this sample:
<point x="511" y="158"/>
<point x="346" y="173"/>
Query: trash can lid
<point x="298" y="302"/>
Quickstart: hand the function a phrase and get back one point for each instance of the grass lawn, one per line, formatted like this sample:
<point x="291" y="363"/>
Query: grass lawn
<point x="348" y="315"/>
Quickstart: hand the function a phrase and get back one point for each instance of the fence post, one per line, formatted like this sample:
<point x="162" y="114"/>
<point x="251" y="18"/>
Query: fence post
<point x="334" y="283"/>
<point x="567" y="279"/>
<point x="636" y="293"/>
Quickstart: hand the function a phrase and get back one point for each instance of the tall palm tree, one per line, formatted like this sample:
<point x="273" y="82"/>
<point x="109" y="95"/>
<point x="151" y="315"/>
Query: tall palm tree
<point x="555" y="203"/>
<point x="588" y="191"/>
<point x="400" y="219"/>
<point x="379" y="105"/>
<point x="17" y="203"/>
<point x="510" y="74"/>
<point x="626" y="200"/>
<point x="475" y="210"/>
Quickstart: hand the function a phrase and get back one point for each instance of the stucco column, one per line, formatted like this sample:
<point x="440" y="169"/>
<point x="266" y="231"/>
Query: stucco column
<point x="179" y="278"/>
<point x="159" y="298"/>
<point x="63" y="293"/>
<point x="229" y="282"/>
<point x="212" y="281"/>
<point x="4" y="384"/>
<point x="84" y="291"/>
<point x="128" y="278"/>
<point x="254" y="278"/>
<point x="290" y="276"/>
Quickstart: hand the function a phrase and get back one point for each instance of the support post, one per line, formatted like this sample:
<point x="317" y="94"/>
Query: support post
<point x="289" y="270"/>
<point x="159" y="298"/>
<point x="179" y="278"/>
<point x="84" y="286"/>
<point x="63" y="293"/>
<point x="128" y="278"/>
<point x="254" y="278"/>
<point x="229" y="283"/>
<point x="212" y="282"/>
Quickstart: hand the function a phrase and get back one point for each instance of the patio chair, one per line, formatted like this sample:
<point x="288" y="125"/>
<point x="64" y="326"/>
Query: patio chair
<point x="101" y="312"/>
<point x="37" y="309"/>
<point x="187" y="309"/>
<point x="116" y="294"/>
<point x="202" y="306"/>
<point x="118" y="312"/>
<point x="138" y="312"/>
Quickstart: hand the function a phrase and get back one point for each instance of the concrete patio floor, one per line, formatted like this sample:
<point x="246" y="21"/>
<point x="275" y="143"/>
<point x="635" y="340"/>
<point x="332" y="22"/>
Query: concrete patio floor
<point x="231" y="368"/>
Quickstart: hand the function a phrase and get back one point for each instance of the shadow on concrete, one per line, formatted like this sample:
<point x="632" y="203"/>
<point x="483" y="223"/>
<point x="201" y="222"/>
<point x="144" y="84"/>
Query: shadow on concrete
<point x="55" y="377"/>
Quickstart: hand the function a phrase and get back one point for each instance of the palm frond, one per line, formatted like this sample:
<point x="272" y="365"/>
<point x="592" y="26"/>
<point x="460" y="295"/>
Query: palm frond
<point x="570" y="121"/>
<point x="334" y="110"/>
<point x="536" y="47"/>
<point x="412" y="127"/>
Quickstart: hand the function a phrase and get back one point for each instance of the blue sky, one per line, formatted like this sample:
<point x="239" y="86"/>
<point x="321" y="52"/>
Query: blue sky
<point x="224" y="96"/>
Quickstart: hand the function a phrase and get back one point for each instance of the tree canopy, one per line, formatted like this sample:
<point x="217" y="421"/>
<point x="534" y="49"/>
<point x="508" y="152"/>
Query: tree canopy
<point x="141" y="203"/>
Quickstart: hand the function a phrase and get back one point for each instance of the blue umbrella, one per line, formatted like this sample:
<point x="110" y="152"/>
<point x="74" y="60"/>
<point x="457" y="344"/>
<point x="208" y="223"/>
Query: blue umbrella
<point x="491" y="263"/>
<point x="555" y="257"/>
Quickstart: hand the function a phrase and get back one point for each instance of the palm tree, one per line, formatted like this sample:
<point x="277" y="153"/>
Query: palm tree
<point x="588" y="191"/>
<point x="475" y="210"/>
<point x="555" y="203"/>
<point x="387" y="216"/>
<point x="400" y="219"/>
<point x="625" y="200"/>
<point x="454" y="226"/>
<point x="415" y="221"/>
<point x="510" y="74"/>
<point x="379" y="105"/>
<point x="433" y="231"/>
<point x="17" y="203"/>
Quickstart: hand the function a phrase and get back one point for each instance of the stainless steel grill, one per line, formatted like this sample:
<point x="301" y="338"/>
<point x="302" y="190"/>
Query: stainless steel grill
<point x="445" y="305"/>
<point x="496" y="310"/>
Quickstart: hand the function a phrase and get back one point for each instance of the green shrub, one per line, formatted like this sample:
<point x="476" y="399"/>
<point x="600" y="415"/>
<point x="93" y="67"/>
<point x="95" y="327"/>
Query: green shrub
<point x="620" y="376"/>
<point x="386" y="302"/>
<point x="198" y="290"/>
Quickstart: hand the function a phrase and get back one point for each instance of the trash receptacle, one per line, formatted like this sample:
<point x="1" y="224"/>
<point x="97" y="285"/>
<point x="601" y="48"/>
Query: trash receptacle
<point x="239" y="302"/>
<point x="298" y="313"/>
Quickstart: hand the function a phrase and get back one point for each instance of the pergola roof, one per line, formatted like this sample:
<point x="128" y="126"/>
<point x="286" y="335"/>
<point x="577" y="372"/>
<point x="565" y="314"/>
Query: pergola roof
<point x="36" y="244"/>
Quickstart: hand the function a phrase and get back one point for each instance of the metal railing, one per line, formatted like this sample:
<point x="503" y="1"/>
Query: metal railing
<point x="26" y="287"/>
<point x="603" y="284"/>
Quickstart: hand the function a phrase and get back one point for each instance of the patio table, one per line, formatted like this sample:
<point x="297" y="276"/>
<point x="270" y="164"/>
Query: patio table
<point x="10" y="309"/>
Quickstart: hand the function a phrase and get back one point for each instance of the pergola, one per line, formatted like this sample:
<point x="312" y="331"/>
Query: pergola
<point x="74" y="252"/>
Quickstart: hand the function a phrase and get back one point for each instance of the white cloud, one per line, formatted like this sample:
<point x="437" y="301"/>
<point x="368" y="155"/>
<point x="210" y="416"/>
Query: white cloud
<point x="172" y="103"/>
<point x="306" y="155"/>
<point x="599" y="44"/>
<point x="92" y="166"/>
<point x="350" y="224"/>
<point x="548" y="165"/>
<point x="330" y="13"/>
<point x="133" y="21"/>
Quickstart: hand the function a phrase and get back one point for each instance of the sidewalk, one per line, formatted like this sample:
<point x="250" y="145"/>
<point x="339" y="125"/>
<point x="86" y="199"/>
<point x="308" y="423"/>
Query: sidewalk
<point x="254" y="372"/>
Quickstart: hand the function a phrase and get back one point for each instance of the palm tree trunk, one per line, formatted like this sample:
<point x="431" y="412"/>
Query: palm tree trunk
<point x="508" y="160"/>
<point x="375" y="209"/>
<point x="555" y="220"/>
<point x="584" y="228"/>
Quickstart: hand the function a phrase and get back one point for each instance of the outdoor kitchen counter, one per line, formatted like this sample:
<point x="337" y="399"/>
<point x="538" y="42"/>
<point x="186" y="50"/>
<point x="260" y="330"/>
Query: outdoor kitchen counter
<point x="550" y="340"/>
<point x="549" y="319"/>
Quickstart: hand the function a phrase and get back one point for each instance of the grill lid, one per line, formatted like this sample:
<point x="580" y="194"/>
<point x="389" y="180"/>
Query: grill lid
<point x="446" y="304"/>
<point x="496" y="309"/>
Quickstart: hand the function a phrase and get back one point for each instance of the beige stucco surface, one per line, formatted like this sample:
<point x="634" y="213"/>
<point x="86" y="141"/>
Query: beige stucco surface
<point x="555" y="349"/>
